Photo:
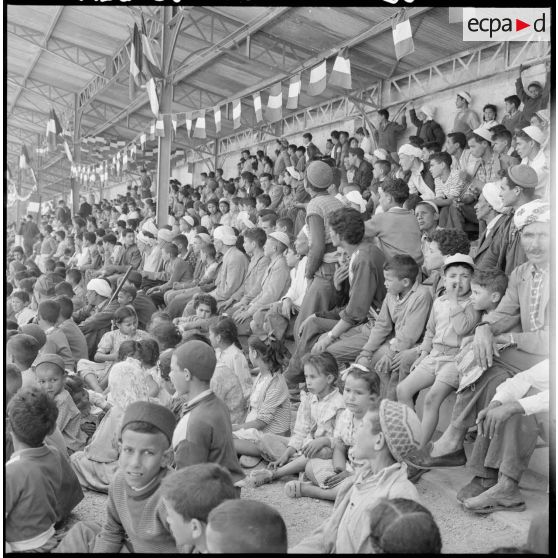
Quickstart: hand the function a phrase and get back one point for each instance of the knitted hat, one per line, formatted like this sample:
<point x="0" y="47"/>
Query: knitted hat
<point x="534" y="133"/>
<point x="536" y="84"/>
<point x="198" y="357"/>
<point x="100" y="286"/>
<point x="51" y="359"/>
<point x="465" y="95"/>
<point x="410" y="150"/>
<point x="319" y="175"/>
<point x="225" y="234"/>
<point x="523" y="176"/>
<point x="357" y="151"/>
<point x="157" y="415"/>
<point x="536" y="211"/>
<point x="401" y="428"/>
<point x="189" y="219"/>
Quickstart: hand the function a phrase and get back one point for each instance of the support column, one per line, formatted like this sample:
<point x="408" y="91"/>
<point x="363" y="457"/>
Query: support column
<point x="74" y="182"/>
<point x="165" y="106"/>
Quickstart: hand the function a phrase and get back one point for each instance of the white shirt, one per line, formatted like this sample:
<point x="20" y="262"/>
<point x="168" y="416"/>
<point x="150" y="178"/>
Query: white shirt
<point x="179" y="433"/>
<point x="299" y="283"/>
<point x="514" y="389"/>
<point x="538" y="164"/>
<point x="418" y="185"/>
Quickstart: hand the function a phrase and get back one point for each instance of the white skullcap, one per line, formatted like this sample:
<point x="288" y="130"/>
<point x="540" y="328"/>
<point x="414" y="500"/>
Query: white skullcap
<point x="356" y="197"/>
<point x="428" y="110"/>
<point x="150" y="227"/>
<point x="101" y="287"/>
<point x="281" y="237"/>
<point x="491" y="193"/>
<point x="166" y="235"/>
<point x="410" y="150"/>
<point x="225" y="234"/>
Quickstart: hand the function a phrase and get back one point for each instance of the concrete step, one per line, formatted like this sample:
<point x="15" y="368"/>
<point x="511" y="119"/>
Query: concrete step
<point x="539" y="463"/>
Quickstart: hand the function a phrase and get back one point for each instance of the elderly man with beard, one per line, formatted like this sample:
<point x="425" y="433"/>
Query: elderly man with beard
<point x="522" y="322"/>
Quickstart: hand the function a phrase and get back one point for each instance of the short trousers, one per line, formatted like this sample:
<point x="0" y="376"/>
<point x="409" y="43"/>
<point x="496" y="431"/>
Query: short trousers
<point x="441" y="368"/>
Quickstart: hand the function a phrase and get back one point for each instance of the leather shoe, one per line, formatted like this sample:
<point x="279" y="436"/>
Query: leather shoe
<point x="414" y="473"/>
<point x="477" y="486"/>
<point x="422" y="459"/>
<point x="494" y="499"/>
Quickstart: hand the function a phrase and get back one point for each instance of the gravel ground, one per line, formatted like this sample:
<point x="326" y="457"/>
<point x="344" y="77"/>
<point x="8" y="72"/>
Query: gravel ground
<point x="462" y="532"/>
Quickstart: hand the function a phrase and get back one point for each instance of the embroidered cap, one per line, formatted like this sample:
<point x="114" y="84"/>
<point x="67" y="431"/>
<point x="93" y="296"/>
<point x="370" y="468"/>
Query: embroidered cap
<point x="536" y="211"/>
<point x="401" y="428"/>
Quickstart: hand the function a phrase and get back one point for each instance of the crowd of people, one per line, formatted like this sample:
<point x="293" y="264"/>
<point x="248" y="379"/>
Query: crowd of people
<point x="281" y="324"/>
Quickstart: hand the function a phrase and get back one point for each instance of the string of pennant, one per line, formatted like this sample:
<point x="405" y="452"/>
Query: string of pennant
<point x="144" y="71"/>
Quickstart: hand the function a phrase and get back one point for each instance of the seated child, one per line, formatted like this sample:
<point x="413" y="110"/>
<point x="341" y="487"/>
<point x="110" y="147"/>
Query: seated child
<point x="97" y="464"/>
<point x="401" y="526"/>
<point x="270" y="408"/>
<point x="226" y="529"/>
<point x="22" y="350"/>
<point x="189" y="496"/>
<point x="51" y="375"/>
<point x="386" y="435"/>
<point x="56" y="341"/>
<point x="136" y="515"/>
<point x="206" y="313"/>
<point x="147" y="353"/>
<point x="314" y="426"/>
<point x="95" y="374"/>
<point x="40" y="486"/>
<point x="400" y="323"/>
<point x="20" y="304"/>
<point x="203" y="434"/>
<point x="90" y="415"/>
<point x="360" y="393"/>
<point x="487" y="289"/>
<point x="223" y="335"/>
<point x="452" y="318"/>
<point x="166" y="334"/>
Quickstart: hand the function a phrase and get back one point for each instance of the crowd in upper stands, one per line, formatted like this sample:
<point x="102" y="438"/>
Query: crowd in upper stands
<point x="282" y="323"/>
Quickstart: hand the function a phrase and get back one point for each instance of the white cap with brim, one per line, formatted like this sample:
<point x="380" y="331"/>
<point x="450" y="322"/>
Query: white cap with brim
<point x="458" y="259"/>
<point x="491" y="193"/>
<point x="281" y="237"/>
<point x="535" y="134"/>
<point x="465" y="95"/>
<point x="484" y="133"/>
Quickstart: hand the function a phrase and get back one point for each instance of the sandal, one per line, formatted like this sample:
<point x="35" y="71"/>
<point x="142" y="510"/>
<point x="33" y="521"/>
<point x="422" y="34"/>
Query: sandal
<point x="292" y="489"/>
<point x="260" y="477"/>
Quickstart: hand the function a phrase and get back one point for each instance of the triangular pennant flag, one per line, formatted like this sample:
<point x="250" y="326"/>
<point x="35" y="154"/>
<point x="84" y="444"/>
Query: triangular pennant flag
<point x="160" y="128"/>
<point x="317" y="83"/>
<point x="237" y="111"/>
<point x="133" y="151"/>
<point x="152" y="65"/>
<point x="294" y="92"/>
<point x="24" y="158"/>
<point x="53" y="130"/>
<point x="199" y="130"/>
<point x="152" y="131"/>
<point x="174" y="122"/>
<point x="402" y="35"/>
<point x="136" y="64"/>
<point x="274" y="111"/>
<point x="341" y="73"/>
<point x="188" y="123"/>
<point x="152" y="94"/>
<point x="68" y="152"/>
<point x="258" y="106"/>
<point x="217" y="114"/>
<point x="125" y="160"/>
<point x="143" y="139"/>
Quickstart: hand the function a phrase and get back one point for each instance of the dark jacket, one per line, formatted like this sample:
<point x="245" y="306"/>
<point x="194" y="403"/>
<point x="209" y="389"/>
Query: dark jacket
<point x="363" y="175"/>
<point x="429" y="130"/>
<point x="208" y="437"/>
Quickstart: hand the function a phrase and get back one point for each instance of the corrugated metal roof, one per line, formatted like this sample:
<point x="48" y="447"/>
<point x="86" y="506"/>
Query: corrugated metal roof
<point x="55" y="52"/>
